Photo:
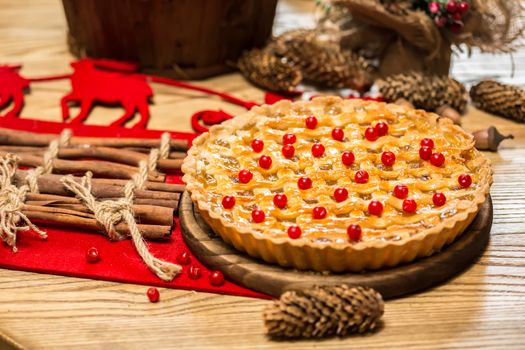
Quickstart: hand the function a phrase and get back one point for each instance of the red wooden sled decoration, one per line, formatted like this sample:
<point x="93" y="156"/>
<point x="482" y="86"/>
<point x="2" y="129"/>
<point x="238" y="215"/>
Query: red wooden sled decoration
<point x="12" y="87"/>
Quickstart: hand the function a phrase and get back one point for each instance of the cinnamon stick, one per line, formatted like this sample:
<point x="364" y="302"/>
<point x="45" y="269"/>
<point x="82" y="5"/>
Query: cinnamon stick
<point x="25" y="138"/>
<point x="152" y="232"/>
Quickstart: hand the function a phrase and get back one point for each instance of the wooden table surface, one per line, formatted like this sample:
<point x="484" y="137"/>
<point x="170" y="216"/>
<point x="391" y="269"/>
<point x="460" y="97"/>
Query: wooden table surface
<point x="482" y="308"/>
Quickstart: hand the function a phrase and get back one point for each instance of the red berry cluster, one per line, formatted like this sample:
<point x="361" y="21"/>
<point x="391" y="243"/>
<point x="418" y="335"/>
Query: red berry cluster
<point x="449" y="13"/>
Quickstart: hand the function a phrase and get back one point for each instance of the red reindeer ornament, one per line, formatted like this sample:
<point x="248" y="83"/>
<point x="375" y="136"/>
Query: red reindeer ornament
<point x="110" y="83"/>
<point x="12" y="87"/>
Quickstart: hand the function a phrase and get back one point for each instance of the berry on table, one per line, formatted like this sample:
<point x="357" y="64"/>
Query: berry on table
<point x="381" y="128"/>
<point x="375" y="208"/>
<point x="409" y="206"/>
<point x="216" y="278"/>
<point x="361" y="177"/>
<point x="437" y="159"/>
<point x="228" y="202"/>
<point x="319" y="213"/>
<point x="183" y="258"/>
<point x="388" y="158"/>
<point x="439" y="199"/>
<point x="354" y="233"/>
<point x="371" y="134"/>
<point x="153" y="294"/>
<point x="294" y="232"/>
<point x="401" y="191"/>
<point x="194" y="272"/>
<point x="92" y="255"/>
<point x="426" y="142"/>
<point x="338" y="134"/>
<point x="425" y="152"/>
<point x="318" y="150"/>
<point x="340" y="194"/>
<point x="304" y="183"/>
<point x="258" y="216"/>
<point x="311" y="122"/>
<point x="280" y="200"/>
<point x="288" y="151"/>
<point x="245" y="176"/>
<point x="348" y="158"/>
<point x="257" y="145"/>
<point x="289" y="139"/>
<point x="465" y="180"/>
<point x="265" y="162"/>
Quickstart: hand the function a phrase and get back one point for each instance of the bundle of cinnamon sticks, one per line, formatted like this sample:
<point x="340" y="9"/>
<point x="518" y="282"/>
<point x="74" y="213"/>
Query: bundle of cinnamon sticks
<point x="113" y="161"/>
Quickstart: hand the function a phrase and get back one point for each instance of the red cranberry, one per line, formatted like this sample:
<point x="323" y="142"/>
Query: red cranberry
<point x="427" y="143"/>
<point x="228" y="202"/>
<point x="361" y="177"/>
<point x="338" y="134"/>
<point x="463" y="7"/>
<point x="288" y="151"/>
<point x="245" y="176"/>
<point x="289" y="139"/>
<point x="153" y="294"/>
<point x="401" y="191"/>
<point x="381" y="128"/>
<point x="311" y="122"/>
<point x="440" y="21"/>
<point x="425" y="152"/>
<point x="265" y="162"/>
<point x="465" y="180"/>
<point x="437" y="159"/>
<point x="452" y="6"/>
<point x="434" y="7"/>
<point x="258" y="216"/>
<point x="319" y="213"/>
<point x="257" y="145"/>
<point x="348" y="158"/>
<point x="304" y="183"/>
<point x="371" y="134"/>
<point x="409" y="206"/>
<point x="194" y="272"/>
<point x="92" y="255"/>
<point x="280" y="200"/>
<point x="294" y="232"/>
<point x="375" y="208"/>
<point x="439" y="199"/>
<point x="216" y="278"/>
<point x="457" y="27"/>
<point x="388" y="158"/>
<point x="354" y="233"/>
<point x="317" y="150"/>
<point x="183" y="258"/>
<point x="340" y="194"/>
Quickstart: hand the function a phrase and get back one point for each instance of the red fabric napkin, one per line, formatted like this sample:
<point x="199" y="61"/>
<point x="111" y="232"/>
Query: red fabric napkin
<point x="63" y="253"/>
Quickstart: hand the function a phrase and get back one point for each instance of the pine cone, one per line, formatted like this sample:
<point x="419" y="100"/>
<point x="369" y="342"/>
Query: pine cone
<point x="505" y="100"/>
<point x="322" y="61"/>
<point x="323" y="311"/>
<point x="268" y="71"/>
<point x="425" y="92"/>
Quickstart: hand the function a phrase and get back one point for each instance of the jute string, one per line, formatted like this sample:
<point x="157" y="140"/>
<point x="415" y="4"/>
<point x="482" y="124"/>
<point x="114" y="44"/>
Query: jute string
<point x="11" y="200"/>
<point x="49" y="156"/>
<point x="109" y="213"/>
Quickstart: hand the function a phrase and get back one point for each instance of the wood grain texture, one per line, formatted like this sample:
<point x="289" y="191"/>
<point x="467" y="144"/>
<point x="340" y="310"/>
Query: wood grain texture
<point x="482" y="308"/>
<point x="274" y="280"/>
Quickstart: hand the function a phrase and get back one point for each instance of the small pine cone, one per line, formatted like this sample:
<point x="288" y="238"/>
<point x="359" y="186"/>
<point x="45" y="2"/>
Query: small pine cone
<point x="268" y="71"/>
<point x="323" y="311"/>
<point x="501" y="99"/>
<point x="322" y="61"/>
<point x="425" y="92"/>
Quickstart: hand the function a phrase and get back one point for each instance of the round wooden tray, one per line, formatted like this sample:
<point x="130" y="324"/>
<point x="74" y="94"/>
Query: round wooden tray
<point x="274" y="280"/>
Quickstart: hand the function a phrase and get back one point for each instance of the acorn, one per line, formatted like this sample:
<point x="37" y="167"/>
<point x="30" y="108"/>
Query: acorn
<point x="489" y="139"/>
<point x="446" y="111"/>
<point x="404" y="102"/>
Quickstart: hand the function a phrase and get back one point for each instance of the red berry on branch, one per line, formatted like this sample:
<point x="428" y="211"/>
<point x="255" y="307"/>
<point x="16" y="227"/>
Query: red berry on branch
<point x="288" y="151"/>
<point x="228" y="202"/>
<point x="437" y="159"/>
<point x="371" y="134"/>
<point x="194" y="272"/>
<point x="216" y="278"/>
<point x="338" y="134"/>
<point x="265" y="162"/>
<point x="304" y="183"/>
<point x="409" y="206"/>
<point x="153" y="294"/>
<point x="456" y="27"/>
<point x="341" y="194"/>
<point x="318" y="150"/>
<point x="354" y="233"/>
<point x="440" y="21"/>
<point x="258" y="216"/>
<point x="280" y="200"/>
<point x="465" y="180"/>
<point x="452" y="6"/>
<point x="92" y="255"/>
<point x="289" y="139"/>
<point x="375" y="208"/>
<point x="427" y="143"/>
<point x="361" y="177"/>
<point x="388" y="158"/>
<point x="381" y="128"/>
<point x="348" y="158"/>
<point x="439" y="199"/>
<point x="257" y="145"/>
<point x="401" y="191"/>
<point x="463" y="7"/>
<point x="311" y="122"/>
<point x="425" y="152"/>
<point x="245" y="176"/>
<point x="434" y="7"/>
<point x="319" y="213"/>
<point x="183" y="258"/>
<point x="294" y="232"/>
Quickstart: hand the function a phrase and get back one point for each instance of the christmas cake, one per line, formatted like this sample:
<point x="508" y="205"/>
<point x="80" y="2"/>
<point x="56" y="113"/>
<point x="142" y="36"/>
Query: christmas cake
<point x="337" y="185"/>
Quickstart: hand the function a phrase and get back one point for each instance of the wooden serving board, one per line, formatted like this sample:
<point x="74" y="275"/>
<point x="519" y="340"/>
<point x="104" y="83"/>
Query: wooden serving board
<point x="274" y="280"/>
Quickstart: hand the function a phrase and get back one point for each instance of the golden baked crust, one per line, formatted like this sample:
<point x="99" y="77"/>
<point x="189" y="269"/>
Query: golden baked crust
<point x="215" y="159"/>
